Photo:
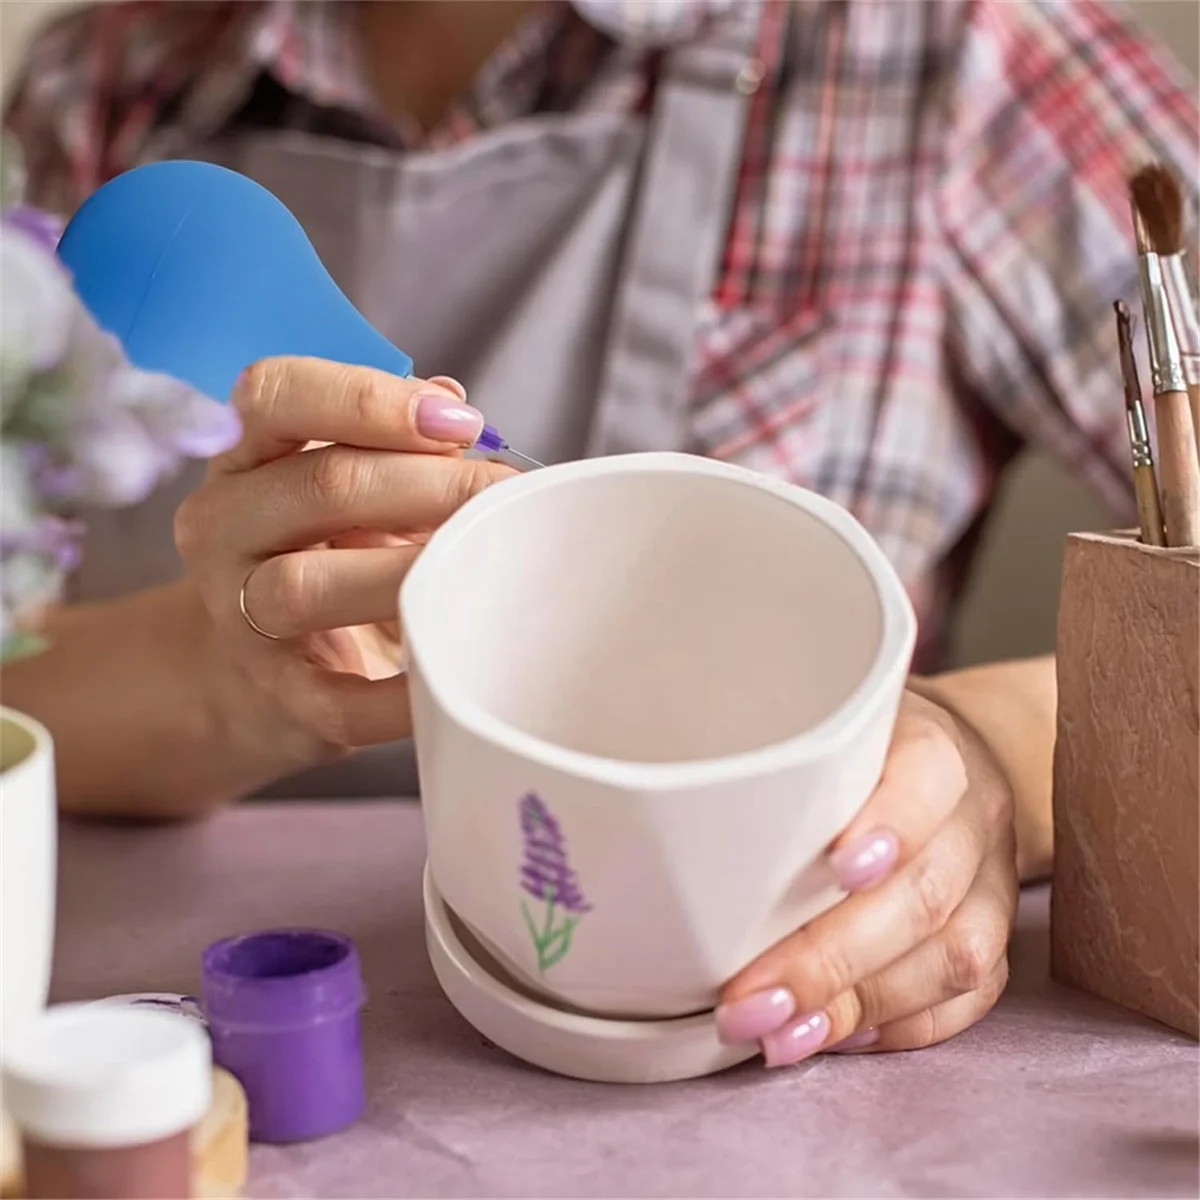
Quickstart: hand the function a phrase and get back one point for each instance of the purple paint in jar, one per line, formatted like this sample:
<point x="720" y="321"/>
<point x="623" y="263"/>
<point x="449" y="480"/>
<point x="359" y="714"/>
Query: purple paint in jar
<point x="283" y="1011"/>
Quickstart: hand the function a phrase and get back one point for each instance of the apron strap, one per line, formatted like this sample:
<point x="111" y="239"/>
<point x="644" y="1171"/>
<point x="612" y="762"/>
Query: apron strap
<point x="674" y="246"/>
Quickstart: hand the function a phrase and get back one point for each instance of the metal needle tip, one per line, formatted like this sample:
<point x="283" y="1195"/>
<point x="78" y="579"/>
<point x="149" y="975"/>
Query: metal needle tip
<point x="533" y="462"/>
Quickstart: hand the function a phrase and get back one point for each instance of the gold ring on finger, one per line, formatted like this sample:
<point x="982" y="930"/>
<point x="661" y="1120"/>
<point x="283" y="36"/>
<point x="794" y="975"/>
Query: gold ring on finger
<point x="271" y="637"/>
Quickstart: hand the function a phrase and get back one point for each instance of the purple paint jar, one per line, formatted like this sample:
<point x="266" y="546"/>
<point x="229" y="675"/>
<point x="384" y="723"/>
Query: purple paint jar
<point x="283" y="1012"/>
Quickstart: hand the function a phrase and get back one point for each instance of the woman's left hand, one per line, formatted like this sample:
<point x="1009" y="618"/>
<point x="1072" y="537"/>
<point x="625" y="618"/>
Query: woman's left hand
<point x="918" y="951"/>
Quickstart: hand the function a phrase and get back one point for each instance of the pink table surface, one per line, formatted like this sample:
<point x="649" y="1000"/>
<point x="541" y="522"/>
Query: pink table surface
<point x="1054" y="1094"/>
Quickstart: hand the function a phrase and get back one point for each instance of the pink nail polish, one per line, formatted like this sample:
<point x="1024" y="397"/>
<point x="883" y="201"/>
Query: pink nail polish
<point x="796" y="1041"/>
<point x="442" y="418"/>
<point x="859" y="1040"/>
<point x="754" y="1016"/>
<point x="865" y="860"/>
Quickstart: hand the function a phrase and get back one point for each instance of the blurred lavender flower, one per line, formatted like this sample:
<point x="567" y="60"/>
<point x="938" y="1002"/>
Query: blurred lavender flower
<point x="42" y="228"/>
<point x="547" y="875"/>
<point x="37" y="313"/>
<point x="80" y="426"/>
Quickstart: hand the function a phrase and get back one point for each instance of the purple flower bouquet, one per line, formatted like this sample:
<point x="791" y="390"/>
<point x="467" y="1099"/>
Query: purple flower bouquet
<point x="80" y="426"/>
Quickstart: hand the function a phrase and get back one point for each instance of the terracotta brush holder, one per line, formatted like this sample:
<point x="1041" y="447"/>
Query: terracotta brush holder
<point x="1124" y="917"/>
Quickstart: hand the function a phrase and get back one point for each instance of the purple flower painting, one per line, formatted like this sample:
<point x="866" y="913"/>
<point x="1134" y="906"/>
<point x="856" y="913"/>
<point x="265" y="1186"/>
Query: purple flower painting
<point x="547" y="876"/>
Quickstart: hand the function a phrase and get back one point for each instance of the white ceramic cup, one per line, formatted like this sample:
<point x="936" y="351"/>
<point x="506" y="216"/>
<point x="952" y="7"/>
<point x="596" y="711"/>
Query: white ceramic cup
<point x="648" y="691"/>
<point x="28" y="858"/>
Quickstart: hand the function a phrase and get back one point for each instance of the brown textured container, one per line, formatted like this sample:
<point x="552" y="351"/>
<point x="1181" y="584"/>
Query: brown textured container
<point x="156" y="1170"/>
<point x="1125" y="911"/>
<point x="106" y="1099"/>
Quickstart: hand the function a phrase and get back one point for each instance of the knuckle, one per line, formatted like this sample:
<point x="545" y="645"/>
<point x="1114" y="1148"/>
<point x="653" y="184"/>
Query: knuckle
<point x="184" y="529"/>
<point x="820" y="971"/>
<point x="845" y="1014"/>
<point x="933" y="896"/>
<point x="859" y="1004"/>
<point x="193" y="525"/>
<point x="467" y="478"/>
<point x="921" y="1031"/>
<point x="258" y="389"/>
<point x="998" y="803"/>
<point x="971" y="957"/>
<point x="290" y="590"/>
<point x="993" y="987"/>
<point x="335" y="476"/>
<point x="328" y="720"/>
<point x="943" y="760"/>
<point x="871" y="1000"/>
<point x="369" y="401"/>
<point x="927" y="759"/>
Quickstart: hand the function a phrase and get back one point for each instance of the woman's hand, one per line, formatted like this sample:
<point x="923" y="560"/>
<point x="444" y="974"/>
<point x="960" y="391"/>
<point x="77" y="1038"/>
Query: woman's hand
<point x="917" y="952"/>
<point x="300" y="537"/>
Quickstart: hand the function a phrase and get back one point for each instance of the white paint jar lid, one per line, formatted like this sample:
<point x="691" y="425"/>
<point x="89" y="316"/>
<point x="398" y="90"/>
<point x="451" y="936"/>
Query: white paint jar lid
<point x="88" y="1076"/>
<point x="188" y="1006"/>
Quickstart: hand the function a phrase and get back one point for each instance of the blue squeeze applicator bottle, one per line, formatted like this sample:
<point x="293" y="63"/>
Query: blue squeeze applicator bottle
<point x="198" y="271"/>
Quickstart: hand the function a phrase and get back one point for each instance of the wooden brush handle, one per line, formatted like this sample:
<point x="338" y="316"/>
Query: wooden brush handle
<point x="1178" y="469"/>
<point x="1194" y="402"/>
<point x="1145" y="488"/>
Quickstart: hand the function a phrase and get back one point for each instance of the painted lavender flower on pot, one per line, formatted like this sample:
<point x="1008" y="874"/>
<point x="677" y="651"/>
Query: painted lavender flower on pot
<point x="80" y="426"/>
<point x="547" y="876"/>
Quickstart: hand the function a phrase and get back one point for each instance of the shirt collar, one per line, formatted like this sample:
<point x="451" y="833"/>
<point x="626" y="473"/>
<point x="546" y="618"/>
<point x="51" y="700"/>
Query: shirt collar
<point x="311" y="47"/>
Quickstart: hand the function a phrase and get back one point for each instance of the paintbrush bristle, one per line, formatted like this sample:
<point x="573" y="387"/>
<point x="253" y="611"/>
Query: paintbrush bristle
<point x="1156" y="198"/>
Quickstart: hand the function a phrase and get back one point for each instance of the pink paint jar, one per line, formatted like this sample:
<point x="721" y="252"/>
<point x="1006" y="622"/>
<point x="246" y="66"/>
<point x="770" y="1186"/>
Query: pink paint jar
<point x="105" y="1100"/>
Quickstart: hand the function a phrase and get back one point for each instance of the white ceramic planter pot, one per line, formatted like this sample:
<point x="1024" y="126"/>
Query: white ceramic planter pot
<point x="648" y="691"/>
<point x="28" y="860"/>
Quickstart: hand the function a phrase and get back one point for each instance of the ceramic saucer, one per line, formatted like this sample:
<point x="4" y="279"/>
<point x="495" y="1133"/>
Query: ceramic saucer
<point x="601" y="1049"/>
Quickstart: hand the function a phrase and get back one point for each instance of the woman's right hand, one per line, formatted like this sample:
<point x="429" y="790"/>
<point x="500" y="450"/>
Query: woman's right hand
<point x="306" y="530"/>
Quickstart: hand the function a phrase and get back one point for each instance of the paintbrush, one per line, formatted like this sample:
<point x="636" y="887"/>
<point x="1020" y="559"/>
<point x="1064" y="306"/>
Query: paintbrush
<point x="1145" y="486"/>
<point x="1158" y="194"/>
<point x="1178" y="464"/>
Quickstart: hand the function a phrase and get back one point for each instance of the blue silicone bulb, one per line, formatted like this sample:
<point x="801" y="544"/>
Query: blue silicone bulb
<point x="199" y="272"/>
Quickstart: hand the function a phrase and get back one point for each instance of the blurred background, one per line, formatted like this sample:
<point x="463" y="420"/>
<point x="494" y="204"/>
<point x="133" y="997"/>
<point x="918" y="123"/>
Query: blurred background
<point x="1011" y="602"/>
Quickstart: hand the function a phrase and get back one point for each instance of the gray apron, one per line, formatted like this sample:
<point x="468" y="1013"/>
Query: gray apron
<point x="556" y="266"/>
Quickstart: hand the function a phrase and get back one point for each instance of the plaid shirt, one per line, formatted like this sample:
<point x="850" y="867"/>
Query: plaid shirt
<point x="929" y="229"/>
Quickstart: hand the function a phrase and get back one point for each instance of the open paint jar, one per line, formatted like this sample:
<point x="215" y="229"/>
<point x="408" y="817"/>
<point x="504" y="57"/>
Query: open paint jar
<point x="283" y="1011"/>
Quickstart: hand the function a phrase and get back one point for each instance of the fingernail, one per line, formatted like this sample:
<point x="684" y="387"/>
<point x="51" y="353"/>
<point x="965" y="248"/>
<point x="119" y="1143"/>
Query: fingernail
<point x="448" y="381"/>
<point x="796" y="1041"/>
<point x="442" y="418"/>
<point x="856" y="1041"/>
<point x="754" y="1016"/>
<point x="866" y="859"/>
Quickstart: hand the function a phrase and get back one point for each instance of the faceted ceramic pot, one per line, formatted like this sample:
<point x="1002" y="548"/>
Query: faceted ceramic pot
<point x="648" y="691"/>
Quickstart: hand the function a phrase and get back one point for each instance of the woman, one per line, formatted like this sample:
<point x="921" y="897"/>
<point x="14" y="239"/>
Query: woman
<point x="867" y="245"/>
